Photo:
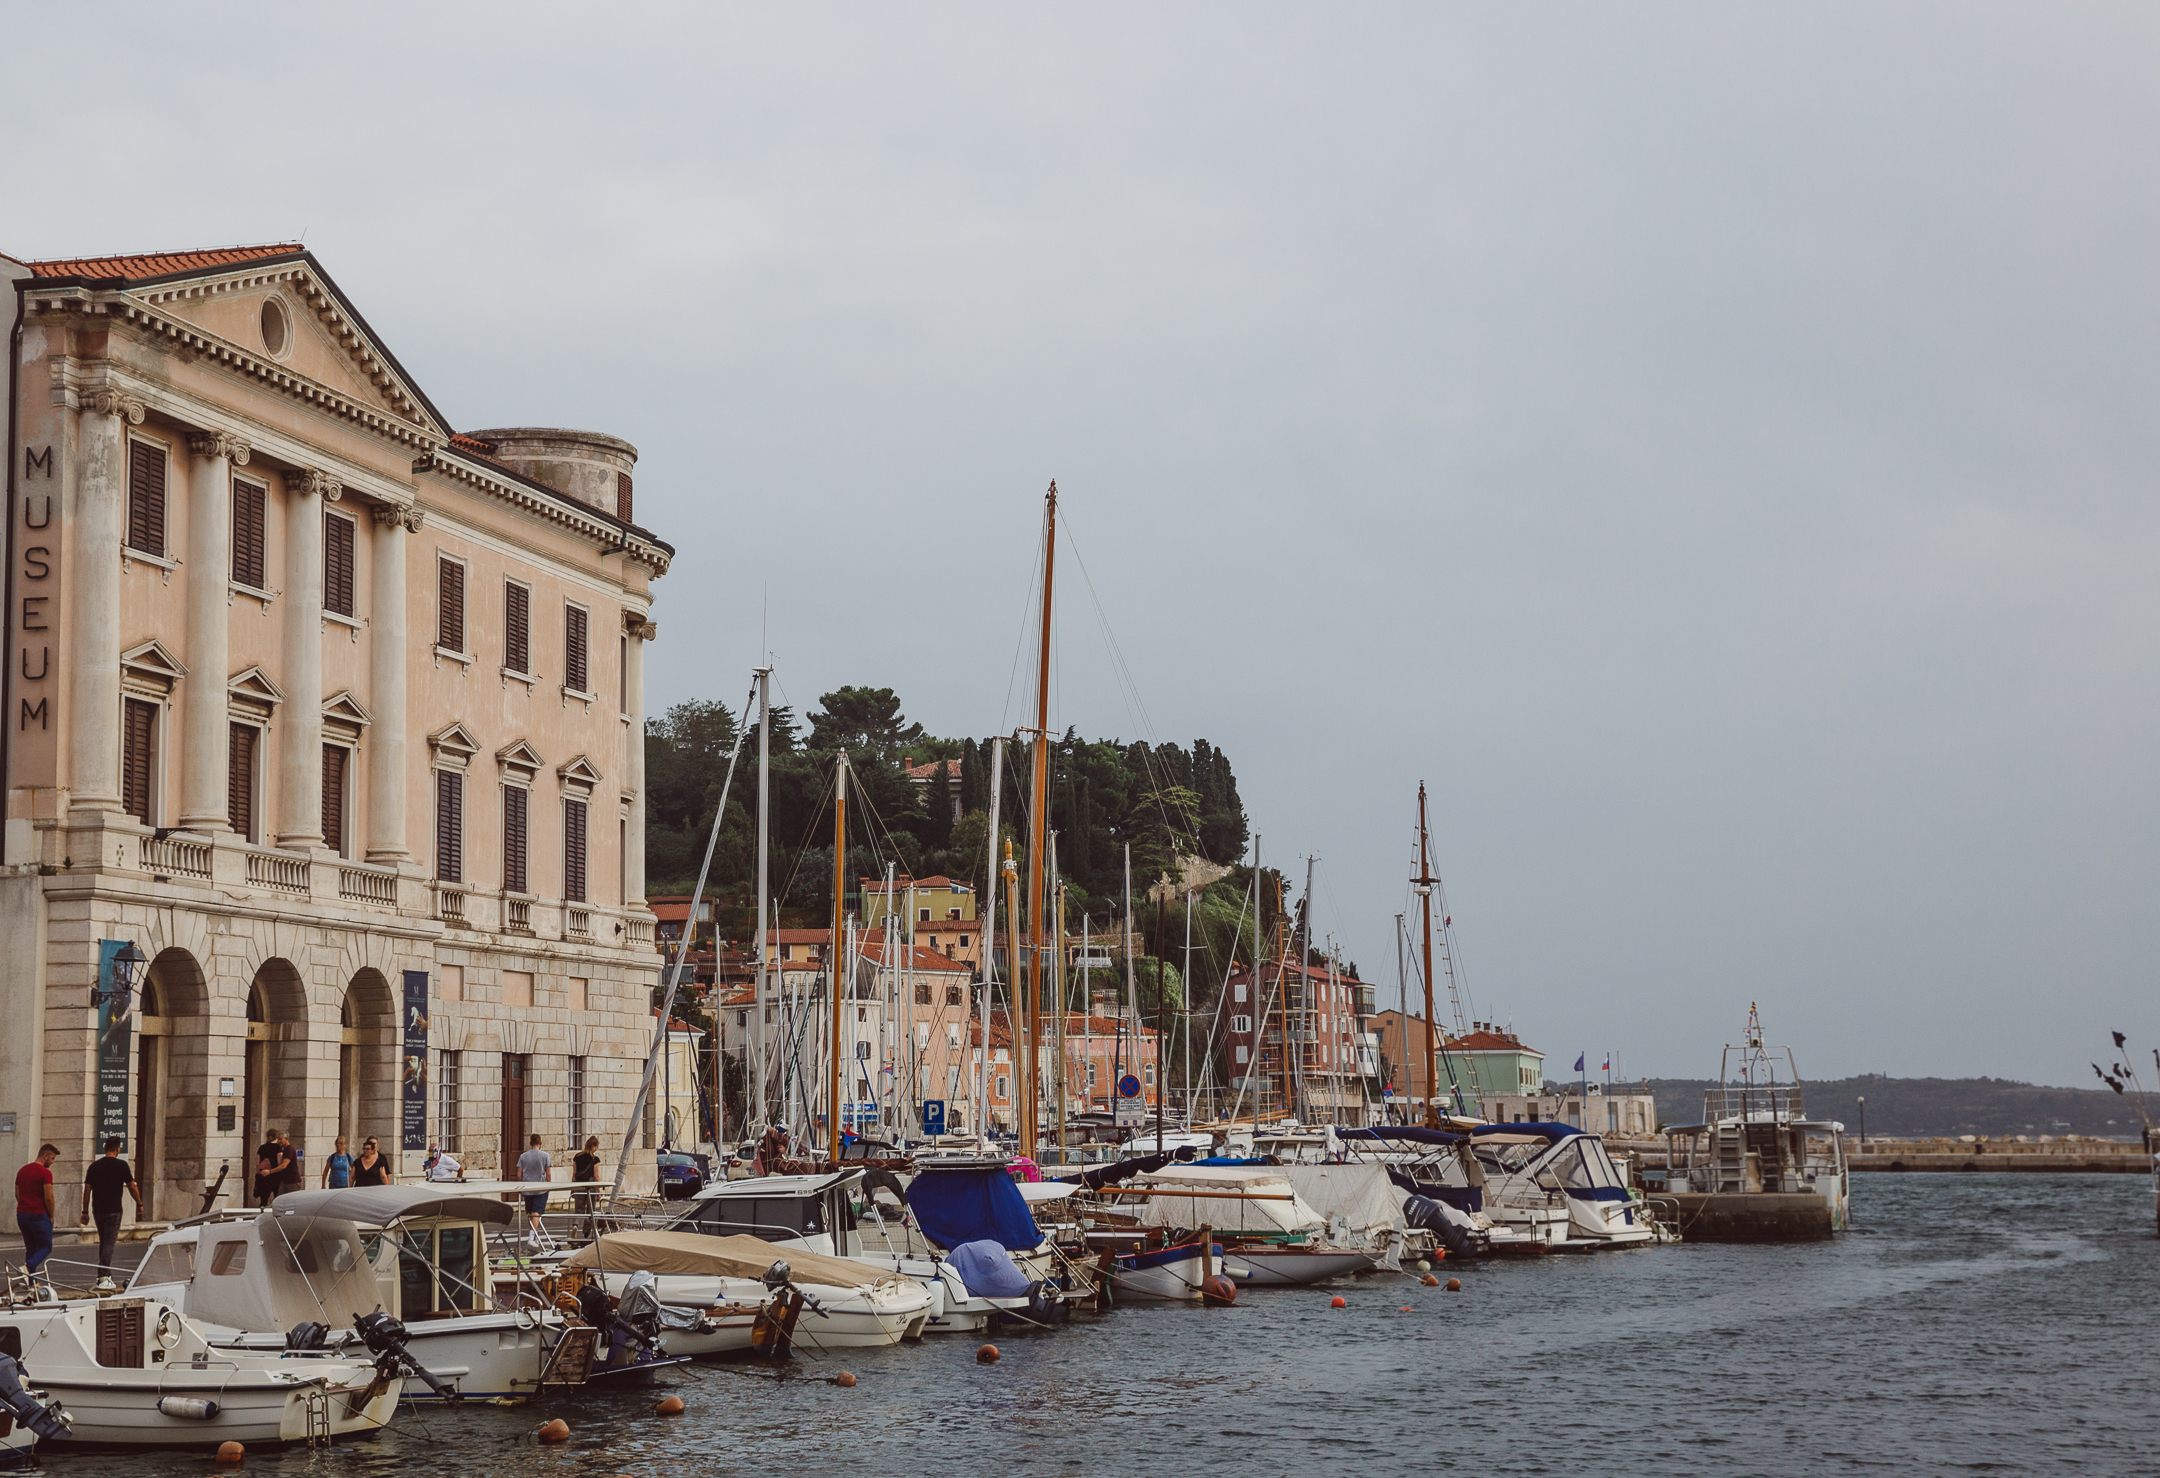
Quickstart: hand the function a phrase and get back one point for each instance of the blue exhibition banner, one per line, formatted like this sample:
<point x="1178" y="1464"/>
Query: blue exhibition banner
<point x="413" y="1125"/>
<point x="114" y="1035"/>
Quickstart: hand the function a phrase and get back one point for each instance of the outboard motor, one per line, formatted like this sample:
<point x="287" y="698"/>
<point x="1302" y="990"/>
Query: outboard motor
<point x="31" y="1408"/>
<point x="307" y="1335"/>
<point x="385" y="1339"/>
<point x="1453" y="1230"/>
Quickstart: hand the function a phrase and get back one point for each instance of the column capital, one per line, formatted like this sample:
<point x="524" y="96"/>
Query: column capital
<point x="308" y="484"/>
<point x="104" y="400"/>
<point x="387" y="514"/>
<point x="635" y="624"/>
<point x="220" y="444"/>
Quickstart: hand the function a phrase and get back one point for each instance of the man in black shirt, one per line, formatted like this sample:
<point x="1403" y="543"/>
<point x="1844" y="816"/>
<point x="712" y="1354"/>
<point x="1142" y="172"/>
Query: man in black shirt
<point x="108" y="1176"/>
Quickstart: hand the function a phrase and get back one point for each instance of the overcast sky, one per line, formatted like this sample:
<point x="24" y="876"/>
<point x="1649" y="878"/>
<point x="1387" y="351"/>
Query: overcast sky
<point x="1712" y="447"/>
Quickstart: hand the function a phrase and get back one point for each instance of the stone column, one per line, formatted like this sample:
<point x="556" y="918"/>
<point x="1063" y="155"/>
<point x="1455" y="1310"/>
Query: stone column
<point x="94" y="605"/>
<point x="387" y="781"/>
<point x="203" y="710"/>
<point x="300" y="761"/>
<point x="641" y="631"/>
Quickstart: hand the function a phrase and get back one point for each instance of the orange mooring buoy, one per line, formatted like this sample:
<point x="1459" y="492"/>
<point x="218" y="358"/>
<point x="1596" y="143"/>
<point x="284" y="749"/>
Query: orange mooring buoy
<point x="230" y="1452"/>
<point x="986" y="1355"/>
<point x="669" y="1406"/>
<point x="1338" y="1302"/>
<point x="557" y="1430"/>
<point x="844" y="1378"/>
<point x="1454" y="1285"/>
<point x="1430" y="1281"/>
<point x="1218" y="1292"/>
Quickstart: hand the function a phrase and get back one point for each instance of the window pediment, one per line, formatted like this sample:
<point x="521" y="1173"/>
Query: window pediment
<point x="152" y="665"/>
<point x="454" y="746"/>
<point x="520" y="762"/>
<point x="344" y="717"/>
<point x="578" y="776"/>
<point x="253" y="693"/>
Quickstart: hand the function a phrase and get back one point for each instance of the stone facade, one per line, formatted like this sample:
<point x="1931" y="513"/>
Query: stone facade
<point x="317" y="704"/>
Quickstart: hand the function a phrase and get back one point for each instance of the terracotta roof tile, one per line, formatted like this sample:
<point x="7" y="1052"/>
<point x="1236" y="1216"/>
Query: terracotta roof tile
<point x="160" y="263"/>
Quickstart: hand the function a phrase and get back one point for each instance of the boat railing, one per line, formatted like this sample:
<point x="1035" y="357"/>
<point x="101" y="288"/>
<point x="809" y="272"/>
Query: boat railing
<point x="1749" y="1101"/>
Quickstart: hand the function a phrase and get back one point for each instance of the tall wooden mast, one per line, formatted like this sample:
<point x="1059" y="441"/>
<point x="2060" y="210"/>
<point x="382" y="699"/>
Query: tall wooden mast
<point x="1038" y="828"/>
<point x="1432" y="1036"/>
<point x="836" y="952"/>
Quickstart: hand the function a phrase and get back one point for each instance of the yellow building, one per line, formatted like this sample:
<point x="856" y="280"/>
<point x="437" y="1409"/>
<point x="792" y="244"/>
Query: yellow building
<point x="332" y="716"/>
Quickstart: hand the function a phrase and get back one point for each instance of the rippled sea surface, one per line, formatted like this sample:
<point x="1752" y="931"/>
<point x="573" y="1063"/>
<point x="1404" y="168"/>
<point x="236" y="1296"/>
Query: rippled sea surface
<point x="1976" y="1323"/>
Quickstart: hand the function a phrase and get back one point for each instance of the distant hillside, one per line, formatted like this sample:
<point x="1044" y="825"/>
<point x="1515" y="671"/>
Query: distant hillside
<point x="1913" y="1107"/>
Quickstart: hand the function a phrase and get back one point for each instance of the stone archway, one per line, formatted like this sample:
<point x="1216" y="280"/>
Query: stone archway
<point x="369" y="1097"/>
<point x="172" y="1085"/>
<point x="276" y="1078"/>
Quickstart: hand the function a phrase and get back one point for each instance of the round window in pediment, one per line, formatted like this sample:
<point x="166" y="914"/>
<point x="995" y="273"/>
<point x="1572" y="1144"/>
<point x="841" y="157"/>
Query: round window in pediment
<point x="276" y="328"/>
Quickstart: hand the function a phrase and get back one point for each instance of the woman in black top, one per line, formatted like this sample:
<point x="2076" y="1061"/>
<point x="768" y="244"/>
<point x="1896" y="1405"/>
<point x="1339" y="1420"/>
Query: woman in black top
<point x="371" y="1168"/>
<point x="586" y="1167"/>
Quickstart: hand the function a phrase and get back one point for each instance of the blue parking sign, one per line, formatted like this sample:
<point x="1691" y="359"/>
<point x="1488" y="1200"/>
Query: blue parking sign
<point x="933" y="1116"/>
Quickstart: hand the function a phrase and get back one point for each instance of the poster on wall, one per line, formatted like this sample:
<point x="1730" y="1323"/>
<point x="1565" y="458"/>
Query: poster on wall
<point x="114" y="1036"/>
<point x="413" y="1129"/>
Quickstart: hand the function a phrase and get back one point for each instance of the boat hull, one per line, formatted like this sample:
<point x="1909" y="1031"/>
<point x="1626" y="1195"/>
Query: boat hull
<point x="491" y="1357"/>
<point x="1172" y="1275"/>
<point x="883" y="1313"/>
<point x="119" y="1408"/>
<point x="1292" y="1267"/>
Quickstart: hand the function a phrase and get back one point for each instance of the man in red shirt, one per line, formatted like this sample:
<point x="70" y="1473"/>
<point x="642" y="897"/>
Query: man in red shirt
<point x="35" y="1205"/>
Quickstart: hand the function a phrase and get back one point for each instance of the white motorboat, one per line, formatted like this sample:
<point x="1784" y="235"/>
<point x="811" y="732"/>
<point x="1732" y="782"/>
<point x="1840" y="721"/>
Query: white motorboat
<point x="133" y="1371"/>
<point x="1271" y="1237"/>
<point x="850" y="1305"/>
<point x="970" y="1234"/>
<point x="1518" y="1187"/>
<point x="417" y="1252"/>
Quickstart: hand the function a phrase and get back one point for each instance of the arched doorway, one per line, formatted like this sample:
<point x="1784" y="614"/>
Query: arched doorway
<point x="369" y="1099"/>
<point x="275" y="1087"/>
<point x="171" y="1089"/>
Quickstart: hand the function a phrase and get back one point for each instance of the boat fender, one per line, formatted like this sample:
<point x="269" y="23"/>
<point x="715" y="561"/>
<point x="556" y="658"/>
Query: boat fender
<point x="1218" y="1292"/>
<point x="194" y="1408"/>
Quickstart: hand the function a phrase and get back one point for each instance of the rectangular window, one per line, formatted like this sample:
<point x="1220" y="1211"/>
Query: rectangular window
<point x="575" y="666"/>
<point x="146" y="497"/>
<point x="240" y="780"/>
<point x="622" y="675"/>
<point x="573" y="844"/>
<point x="450" y="983"/>
<point x="578" y="992"/>
<point x="450" y="605"/>
<point x="1239" y="988"/>
<point x="517" y="626"/>
<point x="334" y="766"/>
<point x="447" y="1073"/>
<point x="449" y="826"/>
<point x="1147" y="1074"/>
<point x="337" y="564"/>
<point x="1241" y="1025"/>
<point x="138" y="759"/>
<point x="248" y="566"/>
<point x="576" y="1125"/>
<point x="622" y="496"/>
<point x="517" y="988"/>
<point x="517" y="803"/>
<point x="1004" y="1087"/>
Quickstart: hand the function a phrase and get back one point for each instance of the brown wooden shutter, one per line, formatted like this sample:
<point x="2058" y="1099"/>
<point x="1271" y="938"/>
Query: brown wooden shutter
<point x="573" y="851"/>
<point x="247" y="561"/>
<point x="517" y="627"/>
<point x="449" y="826"/>
<point x="450" y="581"/>
<point x="146" y="498"/>
<point x="337" y="564"/>
<point x="240" y="781"/>
<point x="622" y="496"/>
<point x="517" y="803"/>
<point x="333" y="797"/>
<point x="575" y="665"/>
<point x="138" y="734"/>
<point x="120" y="1336"/>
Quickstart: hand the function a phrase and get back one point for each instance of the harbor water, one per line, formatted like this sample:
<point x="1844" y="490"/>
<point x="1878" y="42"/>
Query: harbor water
<point x="1967" y="1324"/>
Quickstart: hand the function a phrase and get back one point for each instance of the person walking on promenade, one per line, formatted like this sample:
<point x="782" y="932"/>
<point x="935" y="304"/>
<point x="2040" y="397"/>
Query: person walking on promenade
<point x="371" y="1168"/>
<point x="337" y="1168"/>
<point x="535" y="1165"/>
<point x="107" y="1177"/>
<point x="585" y="1171"/>
<point x="290" y="1178"/>
<point x="35" y="1205"/>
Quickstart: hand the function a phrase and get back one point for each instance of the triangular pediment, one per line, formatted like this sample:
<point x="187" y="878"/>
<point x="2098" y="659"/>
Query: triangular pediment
<point x="578" y="774"/>
<point x="255" y="686"/>
<point x="344" y="712"/>
<point x="153" y="661"/>
<point x="315" y="334"/>
<point x="455" y="742"/>
<point x="521" y="760"/>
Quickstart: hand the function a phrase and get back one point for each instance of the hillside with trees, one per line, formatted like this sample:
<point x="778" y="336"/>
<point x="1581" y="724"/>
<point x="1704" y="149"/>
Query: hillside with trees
<point x="1909" y="1108"/>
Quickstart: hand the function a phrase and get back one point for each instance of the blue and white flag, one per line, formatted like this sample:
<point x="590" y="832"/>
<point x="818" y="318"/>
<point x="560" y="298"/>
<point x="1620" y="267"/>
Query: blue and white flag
<point x="1579" y="1061"/>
